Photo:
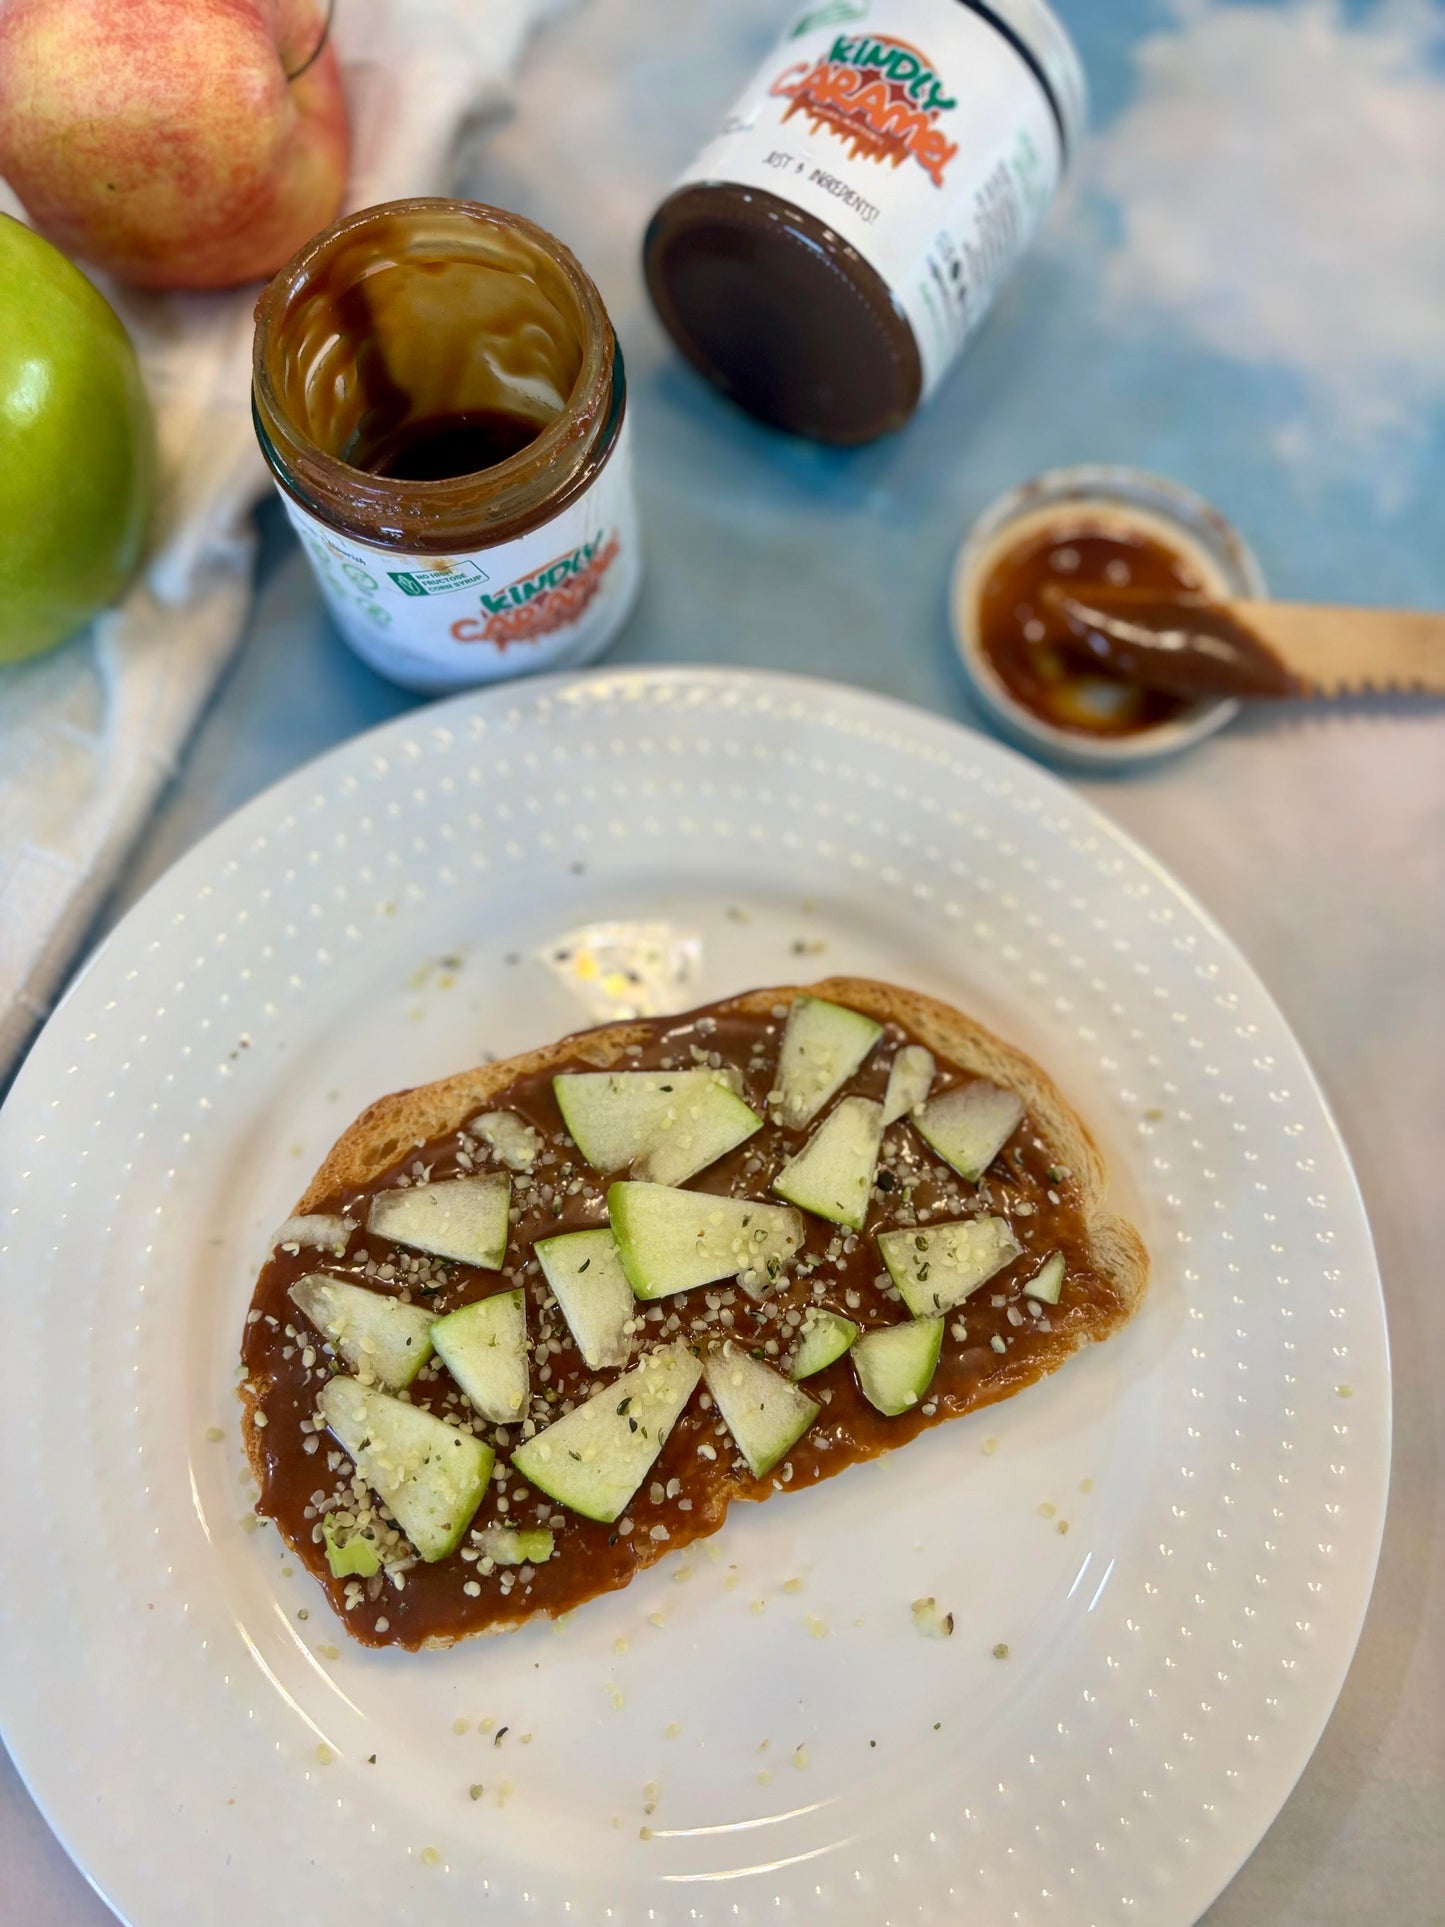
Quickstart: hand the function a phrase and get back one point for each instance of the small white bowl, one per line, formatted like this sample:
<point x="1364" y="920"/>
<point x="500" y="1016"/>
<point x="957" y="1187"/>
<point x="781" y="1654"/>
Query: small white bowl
<point x="1109" y="500"/>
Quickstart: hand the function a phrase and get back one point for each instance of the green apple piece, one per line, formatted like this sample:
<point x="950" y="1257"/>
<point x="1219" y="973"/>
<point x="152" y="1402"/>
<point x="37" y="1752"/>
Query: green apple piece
<point x="384" y="1341"/>
<point x="673" y="1240"/>
<point x="77" y="450"/>
<point x="353" y="1557"/>
<point x="430" y="1475"/>
<point x="484" y="1347"/>
<point x="614" y="1117"/>
<point x="584" y="1271"/>
<point x="462" y="1218"/>
<point x="823" y="1044"/>
<point x="764" y="1412"/>
<point x="505" y="1546"/>
<point x="1048" y="1281"/>
<point x="910" y="1078"/>
<point x="824" y="1337"/>
<point x="701" y="1129"/>
<point x="970" y="1125"/>
<point x="895" y="1364"/>
<point x="323" y="1229"/>
<point x="509" y="1137"/>
<point x="937" y="1267"/>
<point x="594" y="1459"/>
<point x="832" y="1176"/>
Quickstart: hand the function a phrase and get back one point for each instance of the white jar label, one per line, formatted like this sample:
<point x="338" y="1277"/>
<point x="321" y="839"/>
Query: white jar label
<point x="553" y="598"/>
<point x="919" y="134"/>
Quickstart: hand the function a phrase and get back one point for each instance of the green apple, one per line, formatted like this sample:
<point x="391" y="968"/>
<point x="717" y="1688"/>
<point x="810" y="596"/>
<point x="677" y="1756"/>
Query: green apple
<point x="384" y="1341"/>
<point x="507" y="1546"/>
<point x="936" y="1269"/>
<point x="672" y="1240"/>
<point x="823" y="1044"/>
<point x="665" y="1126"/>
<point x="77" y="451"/>
<point x="970" y="1125"/>
<point x="462" y="1218"/>
<point x="349" y="1553"/>
<point x="431" y="1475"/>
<point x="584" y="1270"/>
<point x="824" y="1336"/>
<point x="1048" y="1281"/>
<point x="764" y="1412"/>
<point x="484" y="1347"/>
<point x="594" y="1458"/>
<point x="910" y="1077"/>
<point x="832" y="1176"/>
<point x="895" y="1363"/>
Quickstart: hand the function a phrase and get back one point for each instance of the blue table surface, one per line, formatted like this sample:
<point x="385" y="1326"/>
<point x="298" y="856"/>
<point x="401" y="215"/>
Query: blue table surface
<point x="1243" y="289"/>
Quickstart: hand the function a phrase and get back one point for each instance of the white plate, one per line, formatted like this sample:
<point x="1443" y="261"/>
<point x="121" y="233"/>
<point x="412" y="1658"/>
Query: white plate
<point x="1221" y="1466"/>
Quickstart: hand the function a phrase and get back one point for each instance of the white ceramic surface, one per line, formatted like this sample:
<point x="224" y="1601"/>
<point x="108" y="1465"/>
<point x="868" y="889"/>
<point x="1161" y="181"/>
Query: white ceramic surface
<point x="1171" y="1658"/>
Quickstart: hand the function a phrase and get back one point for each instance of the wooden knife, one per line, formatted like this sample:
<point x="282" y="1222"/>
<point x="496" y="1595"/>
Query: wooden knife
<point x="1199" y="647"/>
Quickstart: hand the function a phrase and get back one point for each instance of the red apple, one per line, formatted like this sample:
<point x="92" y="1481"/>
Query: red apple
<point x="177" y="143"/>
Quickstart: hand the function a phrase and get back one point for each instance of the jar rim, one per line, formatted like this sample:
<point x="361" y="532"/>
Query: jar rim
<point x="520" y="488"/>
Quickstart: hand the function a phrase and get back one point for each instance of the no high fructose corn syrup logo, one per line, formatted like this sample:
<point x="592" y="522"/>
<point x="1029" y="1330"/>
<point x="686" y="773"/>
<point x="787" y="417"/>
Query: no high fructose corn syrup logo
<point x="440" y="578"/>
<point x="880" y="95"/>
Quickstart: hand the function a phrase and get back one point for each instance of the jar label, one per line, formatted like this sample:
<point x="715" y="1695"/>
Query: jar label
<point x="553" y="598"/>
<point x="919" y="134"/>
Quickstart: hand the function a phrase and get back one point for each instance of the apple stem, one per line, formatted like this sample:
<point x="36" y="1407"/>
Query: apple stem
<point x="315" y="53"/>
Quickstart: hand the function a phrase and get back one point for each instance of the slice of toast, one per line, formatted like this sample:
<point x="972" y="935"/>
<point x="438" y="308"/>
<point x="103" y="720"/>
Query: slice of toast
<point x="1106" y="1252"/>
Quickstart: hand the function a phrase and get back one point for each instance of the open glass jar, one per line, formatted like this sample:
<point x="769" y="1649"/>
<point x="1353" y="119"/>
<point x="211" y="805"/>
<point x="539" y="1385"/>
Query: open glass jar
<point x="441" y="399"/>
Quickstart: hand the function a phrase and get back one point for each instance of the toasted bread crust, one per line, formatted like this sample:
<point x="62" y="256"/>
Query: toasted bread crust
<point x="389" y="1127"/>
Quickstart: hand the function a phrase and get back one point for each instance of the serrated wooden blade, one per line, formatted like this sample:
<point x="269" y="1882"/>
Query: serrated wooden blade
<point x="1338" y="651"/>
